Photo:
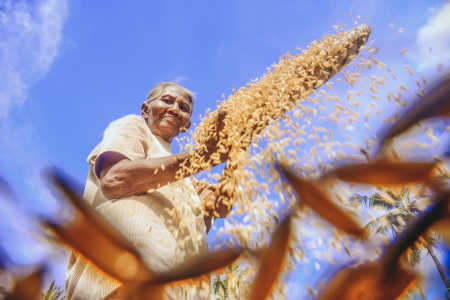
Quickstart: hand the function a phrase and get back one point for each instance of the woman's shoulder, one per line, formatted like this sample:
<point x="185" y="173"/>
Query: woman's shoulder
<point x="129" y="121"/>
<point x="139" y="120"/>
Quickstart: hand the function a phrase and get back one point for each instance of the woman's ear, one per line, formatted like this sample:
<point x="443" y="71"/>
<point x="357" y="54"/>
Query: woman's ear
<point x="144" y="110"/>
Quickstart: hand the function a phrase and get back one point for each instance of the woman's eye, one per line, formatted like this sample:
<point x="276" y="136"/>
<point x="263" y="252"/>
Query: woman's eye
<point x="184" y="108"/>
<point x="166" y="101"/>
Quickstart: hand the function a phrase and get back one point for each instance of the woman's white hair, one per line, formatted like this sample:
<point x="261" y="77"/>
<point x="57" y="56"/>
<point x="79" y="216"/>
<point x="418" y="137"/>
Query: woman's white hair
<point x="159" y="89"/>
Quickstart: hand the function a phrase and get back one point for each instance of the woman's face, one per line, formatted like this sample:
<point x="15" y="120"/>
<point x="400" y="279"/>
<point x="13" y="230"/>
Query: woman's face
<point x="169" y="114"/>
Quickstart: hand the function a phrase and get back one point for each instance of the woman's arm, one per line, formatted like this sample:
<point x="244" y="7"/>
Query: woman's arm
<point x="121" y="177"/>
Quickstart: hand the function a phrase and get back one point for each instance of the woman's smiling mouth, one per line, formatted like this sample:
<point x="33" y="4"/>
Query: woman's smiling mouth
<point x="172" y="119"/>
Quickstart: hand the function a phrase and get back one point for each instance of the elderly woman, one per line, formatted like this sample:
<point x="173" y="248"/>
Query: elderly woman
<point x="133" y="183"/>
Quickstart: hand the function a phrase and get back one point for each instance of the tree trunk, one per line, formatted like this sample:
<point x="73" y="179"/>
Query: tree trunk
<point x="438" y="266"/>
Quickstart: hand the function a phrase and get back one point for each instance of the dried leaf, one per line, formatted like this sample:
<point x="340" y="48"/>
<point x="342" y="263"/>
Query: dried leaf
<point x="369" y="281"/>
<point x="312" y="194"/>
<point x="91" y="235"/>
<point x="272" y="263"/>
<point x="198" y="266"/>
<point x="442" y="229"/>
<point x="29" y="287"/>
<point x="384" y="173"/>
<point x="435" y="103"/>
<point x="155" y="288"/>
<point x="438" y="211"/>
<point x="385" y="278"/>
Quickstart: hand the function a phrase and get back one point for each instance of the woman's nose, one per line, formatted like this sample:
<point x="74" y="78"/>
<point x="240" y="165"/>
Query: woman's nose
<point x="174" y="108"/>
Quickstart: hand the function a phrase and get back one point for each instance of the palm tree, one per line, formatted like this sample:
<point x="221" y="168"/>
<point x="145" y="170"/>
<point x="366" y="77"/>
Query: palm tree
<point x="235" y="279"/>
<point x="401" y="209"/>
<point x="220" y="288"/>
<point x="53" y="293"/>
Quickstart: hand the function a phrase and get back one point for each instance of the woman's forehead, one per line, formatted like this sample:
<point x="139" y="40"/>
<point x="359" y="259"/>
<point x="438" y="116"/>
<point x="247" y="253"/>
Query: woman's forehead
<point x="177" y="93"/>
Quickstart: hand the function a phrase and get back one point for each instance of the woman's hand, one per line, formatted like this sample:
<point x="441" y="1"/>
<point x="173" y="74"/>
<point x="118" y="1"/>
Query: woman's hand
<point x="212" y="205"/>
<point x="215" y="144"/>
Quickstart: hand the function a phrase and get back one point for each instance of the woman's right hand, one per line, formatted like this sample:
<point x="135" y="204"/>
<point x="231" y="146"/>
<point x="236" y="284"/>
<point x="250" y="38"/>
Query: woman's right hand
<point x="215" y="144"/>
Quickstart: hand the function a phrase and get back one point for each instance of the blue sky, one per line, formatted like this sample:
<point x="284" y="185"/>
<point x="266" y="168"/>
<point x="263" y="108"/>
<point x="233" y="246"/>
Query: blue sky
<point x="69" y="68"/>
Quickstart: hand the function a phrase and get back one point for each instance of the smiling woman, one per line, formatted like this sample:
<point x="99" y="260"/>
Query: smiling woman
<point x="133" y="183"/>
<point x="169" y="113"/>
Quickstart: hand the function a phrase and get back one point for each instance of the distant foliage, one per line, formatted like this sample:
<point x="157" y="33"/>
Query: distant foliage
<point x="401" y="210"/>
<point x="53" y="293"/>
<point x="234" y="281"/>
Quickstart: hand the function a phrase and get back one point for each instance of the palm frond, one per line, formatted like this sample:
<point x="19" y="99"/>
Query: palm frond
<point x="442" y="235"/>
<point x="420" y="205"/>
<point x="384" y="223"/>
<point x="374" y="201"/>
<point x="406" y="192"/>
<point x="428" y="239"/>
<point x="53" y="292"/>
<point x="413" y="255"/>
<point x="358" y="201"/>
<point x="396" y="197"/>
<point x="380" y="225"/>
<point x="441" y="181"/>
<point x="220" y="288"/>
<point x="409" y="216"/>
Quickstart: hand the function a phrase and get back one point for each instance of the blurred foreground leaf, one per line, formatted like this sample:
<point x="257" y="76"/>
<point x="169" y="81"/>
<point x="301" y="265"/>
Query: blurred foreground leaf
<point x="385" y="278"/>
<point x="384" y="173"/>
<point x="93" y="237"/>
<point x="436" y="103"/>
<point x="272" y="263"/>
<point x="311" y="194"/>
<point x="28" y="288"/>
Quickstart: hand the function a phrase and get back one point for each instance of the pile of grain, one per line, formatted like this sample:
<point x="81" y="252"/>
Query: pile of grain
<point x="251" y="110"/>
<point x="283" y="118"/>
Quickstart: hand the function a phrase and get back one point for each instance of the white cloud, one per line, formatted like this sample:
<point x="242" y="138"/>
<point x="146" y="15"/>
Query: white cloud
<point x="433" y="40"/>
<point x="30" y="36"/>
